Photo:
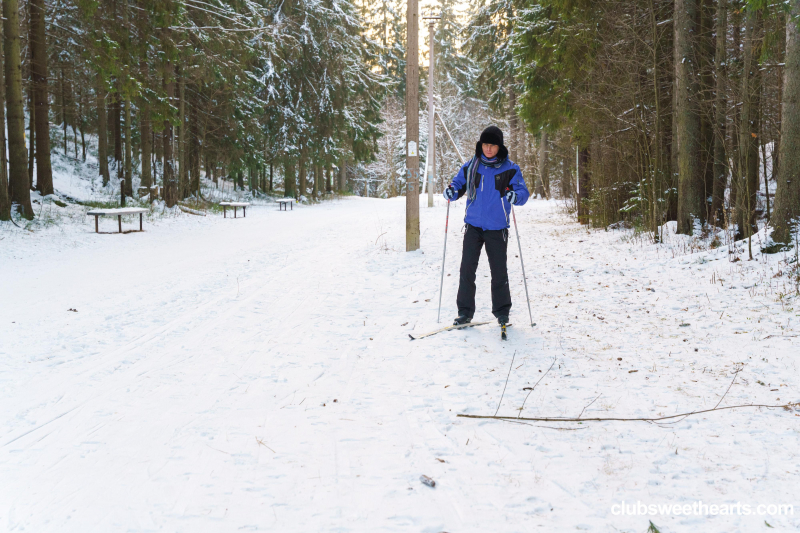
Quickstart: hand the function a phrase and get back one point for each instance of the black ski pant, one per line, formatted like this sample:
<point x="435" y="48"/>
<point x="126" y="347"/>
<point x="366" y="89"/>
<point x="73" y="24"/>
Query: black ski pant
<point x="496" y="242"/>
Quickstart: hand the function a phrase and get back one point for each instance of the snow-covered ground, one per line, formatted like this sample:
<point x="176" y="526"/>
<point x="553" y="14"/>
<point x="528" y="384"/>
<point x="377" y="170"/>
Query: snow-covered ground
<point x="215" y="374"/>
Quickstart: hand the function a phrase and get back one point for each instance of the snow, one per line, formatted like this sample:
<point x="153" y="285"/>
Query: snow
<point x="219" y="375"/>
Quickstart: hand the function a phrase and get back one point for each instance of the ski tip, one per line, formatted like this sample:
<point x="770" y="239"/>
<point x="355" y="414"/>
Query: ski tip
<point x="410" y="336"/>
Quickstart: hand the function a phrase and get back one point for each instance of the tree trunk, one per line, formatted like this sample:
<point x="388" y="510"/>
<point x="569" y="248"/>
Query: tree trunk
<point x="82" y="125"/>
<point x="144" y="125"/>
<point x="762" y="137"/>
<point x="116" y="117"/>
<point x="5" y="199"/>
<point x="749" y="126"/>
<point x="720" y="156"/>
<point x="183" y="183"/>
<point x="734" y="72"/>
<point x="194" y="150"/>
<point x="584" y="184"/>
<point x="102" y="130"/>
<point x="787" y="196"/>
<point x="566" y="189"/>
<point x="342" y="174"/>
<point x="390" y="174"/>
<point x="544" y="179"/>
<point x="73" y="113"/>
<point x="301" y="171"/>
<point x="776" y="147"/>
<point x="317" y="178"/>
<point x="63" y="92"/>
<point x="18" y="163"/>
<point x="31" y="102"/>
<point x="704" y="48"/>
<point x="271" y="182"/>
<point x="289" y="180"/>
<point x="128" y="149"/>
<point x="690" y="171"/>
<point x="661" y="163"/>
<point x="158" y="155"/>
<point x="170" y="182"/>
<point x="31" y="135"/>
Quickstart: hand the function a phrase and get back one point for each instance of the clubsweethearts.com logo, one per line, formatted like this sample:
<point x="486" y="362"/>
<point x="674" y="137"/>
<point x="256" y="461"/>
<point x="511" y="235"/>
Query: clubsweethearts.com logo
<point x="699" y="508"/>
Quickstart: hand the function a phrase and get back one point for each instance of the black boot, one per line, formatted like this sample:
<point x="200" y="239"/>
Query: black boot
<point x="461" y="319"/>
<point x="502" y="320"/>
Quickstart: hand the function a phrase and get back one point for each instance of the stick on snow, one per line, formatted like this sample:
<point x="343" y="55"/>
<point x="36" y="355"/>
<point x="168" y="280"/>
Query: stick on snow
<point x="788" y="407"/>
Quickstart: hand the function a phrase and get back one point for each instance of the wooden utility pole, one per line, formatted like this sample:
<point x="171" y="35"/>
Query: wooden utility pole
<point x="431" y="109"/>
<point x="412" y="128"/>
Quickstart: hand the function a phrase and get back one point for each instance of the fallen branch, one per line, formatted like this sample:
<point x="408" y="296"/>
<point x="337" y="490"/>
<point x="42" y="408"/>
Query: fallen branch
<point x="504" y="386"/>
<point x="788" y="407"/>
<point x="555" y="358"/>
<point x="735" y="373"/>
<point x="190" y="211"/>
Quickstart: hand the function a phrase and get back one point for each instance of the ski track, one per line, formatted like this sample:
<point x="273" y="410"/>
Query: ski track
<point x="255" y="374"/>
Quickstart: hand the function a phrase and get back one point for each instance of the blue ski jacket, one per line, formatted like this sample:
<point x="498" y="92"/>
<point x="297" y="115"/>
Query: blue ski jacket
<point x="490" y="210"/>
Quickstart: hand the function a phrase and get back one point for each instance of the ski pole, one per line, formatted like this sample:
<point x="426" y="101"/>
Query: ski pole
<point x="447" y="220"/>
<point x="444" y="255"/>
<point x="524" y="279"/>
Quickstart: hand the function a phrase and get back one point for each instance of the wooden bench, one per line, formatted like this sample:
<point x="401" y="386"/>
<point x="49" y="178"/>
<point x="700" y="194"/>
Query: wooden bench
<point x="97" y="213"/>
<point x="282" y="203"/>
<point x="235" y="206"/>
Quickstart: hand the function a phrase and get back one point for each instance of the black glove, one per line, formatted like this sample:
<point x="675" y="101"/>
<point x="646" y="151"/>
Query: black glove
<point x="511" y="196"/>
<point x="450" y="193"/>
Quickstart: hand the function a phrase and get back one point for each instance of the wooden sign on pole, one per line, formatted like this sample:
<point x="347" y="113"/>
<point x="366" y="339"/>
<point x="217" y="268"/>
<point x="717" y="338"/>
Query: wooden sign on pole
<point x="412" y="127"/>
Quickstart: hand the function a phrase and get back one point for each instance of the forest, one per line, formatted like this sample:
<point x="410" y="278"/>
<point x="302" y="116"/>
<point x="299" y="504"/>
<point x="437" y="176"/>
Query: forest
<point x="633" y="112"/>
<point x="239" y="293"/>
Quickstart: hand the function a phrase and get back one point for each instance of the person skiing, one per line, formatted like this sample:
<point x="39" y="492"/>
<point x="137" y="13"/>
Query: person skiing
<point x="492" y="184"/>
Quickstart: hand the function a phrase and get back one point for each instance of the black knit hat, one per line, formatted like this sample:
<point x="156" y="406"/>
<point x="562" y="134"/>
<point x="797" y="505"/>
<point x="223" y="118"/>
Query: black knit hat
<point x="492" y="135"/>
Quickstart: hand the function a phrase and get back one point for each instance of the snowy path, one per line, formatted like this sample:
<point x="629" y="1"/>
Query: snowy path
<point x="256" y="374"/>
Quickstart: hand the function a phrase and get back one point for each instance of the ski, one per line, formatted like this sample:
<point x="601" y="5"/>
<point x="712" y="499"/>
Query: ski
<point x="503" y="335"/>
<point x="448" y="328"/>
